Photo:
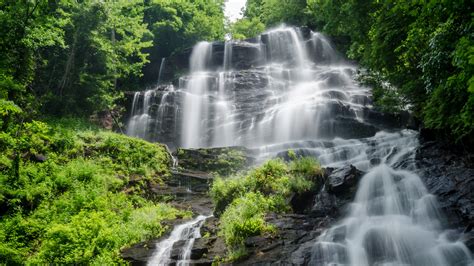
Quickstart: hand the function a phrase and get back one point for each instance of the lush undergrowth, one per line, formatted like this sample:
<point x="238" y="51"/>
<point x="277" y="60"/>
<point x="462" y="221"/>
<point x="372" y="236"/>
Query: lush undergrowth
<point x="242" y="201"/>
<point x="70" y="193"/>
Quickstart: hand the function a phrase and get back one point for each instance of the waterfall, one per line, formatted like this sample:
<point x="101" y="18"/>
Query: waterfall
<point x="196" y="100"/>
<point x="227" y="64"/>
<point x="145" y="120"/>
<point x="139" y="121"/>
<point x="393" y="221"/>
<point x="187" y="232"/>
<point x="290" y="89"/>
<point x="160" y="72"/>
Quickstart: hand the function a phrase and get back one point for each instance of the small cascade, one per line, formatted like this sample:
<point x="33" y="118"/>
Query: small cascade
<point x="227" y="56"/>
<point x="139" y="121"/>
<point x="224" y="129"/>
<point x="160" y="72"/>
<point x="393" y="221"/>
<point x="149" y="110"/>
<point x="186" y="232"/>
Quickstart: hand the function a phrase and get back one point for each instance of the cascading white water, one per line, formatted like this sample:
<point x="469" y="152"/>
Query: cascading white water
<point x="298" y="93"/>
<point x="188" y="232"/>
<point x="160" y="71"/>
<point x="139" y="121"/>
<point x="393" y="219"/>
<point x="227" y="56"/>
<point x="196" y="100"/>
<point x="224" y="133"/>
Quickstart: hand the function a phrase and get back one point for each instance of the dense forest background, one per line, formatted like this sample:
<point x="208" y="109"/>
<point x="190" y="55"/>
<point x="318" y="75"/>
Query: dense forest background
<point x="67" y="188"/>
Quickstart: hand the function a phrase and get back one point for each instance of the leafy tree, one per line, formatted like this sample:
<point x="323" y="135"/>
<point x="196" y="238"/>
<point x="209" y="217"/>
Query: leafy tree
<point x="105" y="42"/>
<point x="27" y="26"/>
<point x="178" y="25"/>
<point x="246" y="28"/>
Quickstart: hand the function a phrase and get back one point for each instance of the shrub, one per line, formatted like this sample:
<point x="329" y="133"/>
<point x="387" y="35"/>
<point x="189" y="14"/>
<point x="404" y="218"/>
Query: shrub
<point x="243" y="200"/>
<point x="244" y="218"/>
<point x="274" y="177"/>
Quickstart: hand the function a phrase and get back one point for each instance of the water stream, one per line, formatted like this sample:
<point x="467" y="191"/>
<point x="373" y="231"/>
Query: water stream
<point x="289" y="89"/>
<point x="186" y="232"/>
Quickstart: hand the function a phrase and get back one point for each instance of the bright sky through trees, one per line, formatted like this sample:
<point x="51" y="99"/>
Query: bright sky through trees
<point x="233" y="8"/>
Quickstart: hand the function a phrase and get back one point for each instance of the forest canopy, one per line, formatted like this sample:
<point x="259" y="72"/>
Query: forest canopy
<point x="77" y="57"/>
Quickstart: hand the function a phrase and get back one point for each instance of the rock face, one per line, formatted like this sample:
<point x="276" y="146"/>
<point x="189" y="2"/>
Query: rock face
<point x="297" y="232"/>
<point x="294" y="231"/>
<point x="343" y="181"/>
<point x="223" y="161"/>
<point x="449" y="174"/>
<point x="245" y="88"/>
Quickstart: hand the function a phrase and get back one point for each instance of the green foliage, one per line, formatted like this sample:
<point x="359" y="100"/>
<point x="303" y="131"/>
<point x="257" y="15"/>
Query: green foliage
<point x="246" y="28"/>
<point x="242" y="219"/>
<point x="84" y="200"/>
<point x="178" y="25"/>
<point x="77" y="57"/>
<point x="243" y="200"/>
<point x="420" y="53"/>
<point x="273" y="12"/>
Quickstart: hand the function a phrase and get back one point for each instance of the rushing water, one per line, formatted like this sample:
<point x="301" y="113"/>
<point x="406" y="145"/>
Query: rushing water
<point x="186" y="232"/>
<point x="292" y="90"/>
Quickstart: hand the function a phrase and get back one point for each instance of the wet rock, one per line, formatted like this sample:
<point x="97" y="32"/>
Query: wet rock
<point x="245" y="55"/>
<point x="294" y="232"/>
<point x="177" y="249"/>
<point x="301" y="203"/>
<point x="448" y="174"/>
<point x="255" y="241"/>
<point x="223" y="161"/>
<point x="390" y="121"/>
<point x="39" y="158"/>
<point x="345" y="127"/>
<point x="375" y="161"/>
<point x="343" y="181"/>
<point x="201" y="247"/>
<point x="325" y="204"/>
<point x="138" y="253"/>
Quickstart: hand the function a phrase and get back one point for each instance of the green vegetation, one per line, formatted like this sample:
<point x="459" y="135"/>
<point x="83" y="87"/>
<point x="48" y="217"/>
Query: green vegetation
<point x="70" y="193"/>
<point x="242" y="201"/>
<point x="177" y="25"/>
<point x="419" y="55"/>
<point x="246" y="28"/>
<point x="78" y="57"/>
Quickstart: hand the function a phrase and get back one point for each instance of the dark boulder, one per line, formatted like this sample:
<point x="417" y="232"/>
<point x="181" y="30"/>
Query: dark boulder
<point x="347" y="128"/>
<point x="390" y="120"/>
<point x="325" y="204"/>
<point x="201" y="247"/>
<point x="343" y="181"/>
